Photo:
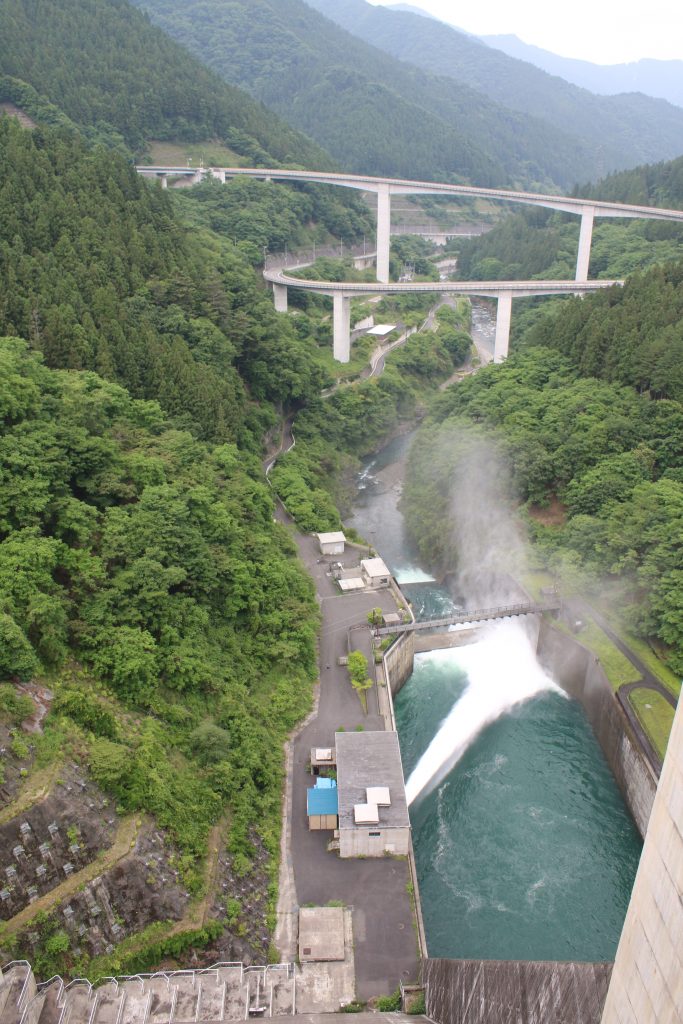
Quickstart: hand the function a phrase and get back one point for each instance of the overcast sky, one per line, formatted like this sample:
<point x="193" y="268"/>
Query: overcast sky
<point x="602" y="31"/>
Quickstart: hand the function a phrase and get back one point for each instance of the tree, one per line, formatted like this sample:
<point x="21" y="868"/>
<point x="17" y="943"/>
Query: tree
<point x="357" y="666"/>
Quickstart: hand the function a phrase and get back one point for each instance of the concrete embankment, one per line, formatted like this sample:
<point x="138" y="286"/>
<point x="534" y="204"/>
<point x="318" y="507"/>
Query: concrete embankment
<point x="579" y="673"/>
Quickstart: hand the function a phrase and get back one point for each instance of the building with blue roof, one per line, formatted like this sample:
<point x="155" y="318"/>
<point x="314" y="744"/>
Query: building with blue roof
<point x="322" y="805"/>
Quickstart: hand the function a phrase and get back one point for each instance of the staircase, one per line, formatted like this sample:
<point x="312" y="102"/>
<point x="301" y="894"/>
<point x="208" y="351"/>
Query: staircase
<point x="213" y="995"/>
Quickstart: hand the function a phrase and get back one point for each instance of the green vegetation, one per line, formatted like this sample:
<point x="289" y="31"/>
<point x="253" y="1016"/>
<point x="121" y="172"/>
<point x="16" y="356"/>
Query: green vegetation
<point x="375" y="114"/>
<point x="612" y="456"/>
<point x="656" y="714"/>
<point x="123" y="82"/>
<point x="622" y="128"/>
<point x="332" y="432"/>
<point x="153" y="560"/>
<point x="358" y="674"/>
<point x="389" y="1004"/>
<point x="98" y="273"/>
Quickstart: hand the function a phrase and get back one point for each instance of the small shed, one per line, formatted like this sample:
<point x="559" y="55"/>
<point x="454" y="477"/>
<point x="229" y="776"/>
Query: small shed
<point x="322" y="757"/>
<point x="375" y="573"/>
<point x="332" y="543"/>
<point x="392" y="619"/>
<point x="322" y="805"/>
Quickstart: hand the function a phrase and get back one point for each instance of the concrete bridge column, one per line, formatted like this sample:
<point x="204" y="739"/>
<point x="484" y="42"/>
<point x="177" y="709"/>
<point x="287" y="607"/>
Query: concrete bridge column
<point x="341" y="347"/>
<point x="216" y="172"/>
<point x="503" y="317"/>
<point x="585" y="239"/>
<point x="164" y="180"/>
<point x="383" y="233"/>
<point x="280" y="298"/>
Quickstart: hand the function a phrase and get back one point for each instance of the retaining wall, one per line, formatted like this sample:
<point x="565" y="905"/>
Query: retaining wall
<point x="579" y="673"/>
<point x="398" y="661"/>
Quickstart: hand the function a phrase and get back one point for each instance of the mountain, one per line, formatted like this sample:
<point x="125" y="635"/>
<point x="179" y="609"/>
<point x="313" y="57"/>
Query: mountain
<point x="373" y="113"/>
<point x="622" y="130"/>
<point x="660" y="78"/>
<point x="122" y="80"/>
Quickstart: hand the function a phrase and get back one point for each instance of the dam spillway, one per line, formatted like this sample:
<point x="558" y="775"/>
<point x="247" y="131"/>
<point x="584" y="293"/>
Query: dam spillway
<point x="525" y="850"/>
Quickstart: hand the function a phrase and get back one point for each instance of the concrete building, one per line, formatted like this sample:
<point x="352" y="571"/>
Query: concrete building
<point x="375" y="573"/>
<point x="322" y="805"/>
<point x="332" y="543"/>
<point x="647" y="980"/>
<point x="373" y="813"/>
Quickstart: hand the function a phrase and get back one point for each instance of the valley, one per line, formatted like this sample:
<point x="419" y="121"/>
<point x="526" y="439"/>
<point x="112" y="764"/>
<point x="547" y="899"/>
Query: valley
<point x="182" y="641"/>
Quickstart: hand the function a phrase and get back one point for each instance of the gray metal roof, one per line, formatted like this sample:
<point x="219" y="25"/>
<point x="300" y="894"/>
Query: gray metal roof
<point x="370" y="759"/>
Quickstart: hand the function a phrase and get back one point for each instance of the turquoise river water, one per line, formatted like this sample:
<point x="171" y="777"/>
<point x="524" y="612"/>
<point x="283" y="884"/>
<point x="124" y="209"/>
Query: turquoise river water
<point x="524" y="848"/>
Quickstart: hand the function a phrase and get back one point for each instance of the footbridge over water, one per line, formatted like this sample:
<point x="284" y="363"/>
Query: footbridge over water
<point x="472" y="616"/>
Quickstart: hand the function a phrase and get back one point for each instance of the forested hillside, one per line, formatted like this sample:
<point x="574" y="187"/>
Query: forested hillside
<point x="374" y="113"/>
<point x="123" y="81"/>
<point x="97" y="271"/>
<point x="539" y="243"/>
<point x="142" y="577"/>
<point x="613" y="458"/>
<point x="631" y="335"/>
<point x="626" y="128"/>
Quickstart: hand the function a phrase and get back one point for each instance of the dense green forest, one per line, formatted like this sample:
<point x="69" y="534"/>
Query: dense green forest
<point x="123" y="81"/>
<point x="98" y="273"/>
<point x="375" y="114"/>
<point x="539" y="243"/>
<point x="629" y="336"/>
<point x="332" y="432"/>
<point x="612" y="457"/>
<point x="150" y="559"/>
<point x="623" y="128"/>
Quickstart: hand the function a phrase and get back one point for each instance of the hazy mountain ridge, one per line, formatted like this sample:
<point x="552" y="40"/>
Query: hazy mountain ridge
<point x="372" y="112"/>
<point x="626" y="128"/>
<point x="662" y="79"/>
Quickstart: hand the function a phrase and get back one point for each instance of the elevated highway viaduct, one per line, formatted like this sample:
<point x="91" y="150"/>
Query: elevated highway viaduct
<point x="504" y="291"/>
<point x="385" y="188"/>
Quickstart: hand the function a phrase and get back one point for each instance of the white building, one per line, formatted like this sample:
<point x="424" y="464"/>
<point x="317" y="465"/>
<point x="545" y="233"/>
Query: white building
<point x="332" y="543"/>
<point x="375" y="573"/>
<point x="373" y="812"/>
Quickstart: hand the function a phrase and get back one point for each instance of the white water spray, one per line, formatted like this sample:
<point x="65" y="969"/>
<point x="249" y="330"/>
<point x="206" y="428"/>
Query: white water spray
<point x="502" y="671"/>
<point x="412" y="574"/>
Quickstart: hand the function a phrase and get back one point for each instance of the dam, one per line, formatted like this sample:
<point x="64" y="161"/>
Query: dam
<point x="525" y="851"/>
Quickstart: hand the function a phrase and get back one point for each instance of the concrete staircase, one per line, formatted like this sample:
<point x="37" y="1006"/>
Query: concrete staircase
<point x="214" y="995"/>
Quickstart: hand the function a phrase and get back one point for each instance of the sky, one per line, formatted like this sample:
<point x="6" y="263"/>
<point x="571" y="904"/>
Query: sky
<point x="601" y="31"/>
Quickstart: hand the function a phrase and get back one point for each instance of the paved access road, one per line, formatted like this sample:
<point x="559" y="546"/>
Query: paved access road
<point x="385" y="940"/>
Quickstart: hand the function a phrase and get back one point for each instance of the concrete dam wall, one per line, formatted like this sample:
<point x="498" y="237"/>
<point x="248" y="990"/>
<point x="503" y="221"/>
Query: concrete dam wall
<point x="580" y="674"/>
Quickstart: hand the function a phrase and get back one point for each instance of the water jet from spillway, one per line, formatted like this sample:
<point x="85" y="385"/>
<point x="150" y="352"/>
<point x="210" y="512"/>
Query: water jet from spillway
<point x="502" y="671"/>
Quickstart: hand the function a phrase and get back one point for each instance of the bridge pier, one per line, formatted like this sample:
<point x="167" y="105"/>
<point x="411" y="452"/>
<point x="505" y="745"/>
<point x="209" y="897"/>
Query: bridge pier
<point x="503" y="317"/>
<point x="164" y="180"/>
<point x="585" y="239"/>
<point x="219" y="174"/>
<point x="341" y="344"/>
<point x="383" y="233"/>
<point x="280" y="298"/>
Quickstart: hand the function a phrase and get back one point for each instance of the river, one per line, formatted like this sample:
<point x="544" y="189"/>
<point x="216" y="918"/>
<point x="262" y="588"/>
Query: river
<point x="525" y="849"/>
